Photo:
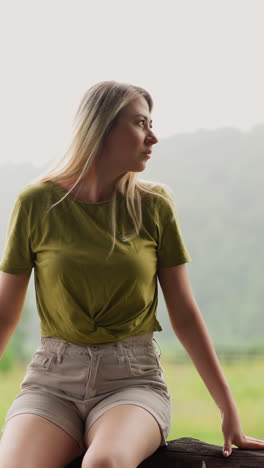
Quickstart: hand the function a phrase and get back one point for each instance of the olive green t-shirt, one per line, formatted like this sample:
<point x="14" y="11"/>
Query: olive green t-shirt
<point x="83" y="297"/>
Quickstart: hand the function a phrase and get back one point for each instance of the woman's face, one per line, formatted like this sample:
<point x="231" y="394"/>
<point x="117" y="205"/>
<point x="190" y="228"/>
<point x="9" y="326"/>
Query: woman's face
<point x="127" y="141"/>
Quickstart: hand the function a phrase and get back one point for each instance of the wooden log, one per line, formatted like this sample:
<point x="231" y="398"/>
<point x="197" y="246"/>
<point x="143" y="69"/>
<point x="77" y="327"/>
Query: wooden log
<point x="192" y="453"/>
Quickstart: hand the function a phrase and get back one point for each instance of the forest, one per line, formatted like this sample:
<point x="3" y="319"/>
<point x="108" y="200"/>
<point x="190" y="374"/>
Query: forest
<point x="217" y="181"/>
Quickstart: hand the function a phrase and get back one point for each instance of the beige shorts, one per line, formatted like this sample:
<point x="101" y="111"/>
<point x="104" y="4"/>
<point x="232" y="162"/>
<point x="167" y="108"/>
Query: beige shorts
<point x="72" y="385"/>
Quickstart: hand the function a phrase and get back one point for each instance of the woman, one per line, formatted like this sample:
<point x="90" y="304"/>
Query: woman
<point x="98" y="238"/>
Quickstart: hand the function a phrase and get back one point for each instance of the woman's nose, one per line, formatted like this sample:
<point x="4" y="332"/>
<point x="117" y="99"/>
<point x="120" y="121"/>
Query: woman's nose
<point x="152" y="137"/>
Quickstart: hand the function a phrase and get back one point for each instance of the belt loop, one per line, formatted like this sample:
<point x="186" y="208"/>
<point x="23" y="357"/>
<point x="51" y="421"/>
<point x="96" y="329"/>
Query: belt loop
<point x="59" y="357"/>
<point x="158" y="346"/>
<point x="60" y="348"/>
<point x="121" y="352"/>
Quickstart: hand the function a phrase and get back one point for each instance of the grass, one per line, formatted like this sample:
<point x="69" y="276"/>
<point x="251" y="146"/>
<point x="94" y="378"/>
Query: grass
<point x="194" y="412"/>
<point x="9" y="387"/>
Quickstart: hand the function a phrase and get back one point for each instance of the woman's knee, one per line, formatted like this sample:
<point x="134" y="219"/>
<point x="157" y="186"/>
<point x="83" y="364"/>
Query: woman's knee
<point x="111" y="459"/>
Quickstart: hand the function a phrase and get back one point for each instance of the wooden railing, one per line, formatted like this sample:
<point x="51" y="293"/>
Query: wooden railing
<point x="192" y="453"/>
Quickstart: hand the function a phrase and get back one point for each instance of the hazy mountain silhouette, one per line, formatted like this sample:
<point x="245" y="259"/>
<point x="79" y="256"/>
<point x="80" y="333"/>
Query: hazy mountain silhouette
<point x="216" y="176"/>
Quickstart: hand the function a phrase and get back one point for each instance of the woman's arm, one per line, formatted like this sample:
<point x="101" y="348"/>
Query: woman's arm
<point x="190" y="328"/>
<point x="12" y="296"/>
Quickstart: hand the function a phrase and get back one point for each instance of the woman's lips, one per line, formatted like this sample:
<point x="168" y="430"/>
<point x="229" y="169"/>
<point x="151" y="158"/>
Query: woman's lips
<point x="147" y="155"/>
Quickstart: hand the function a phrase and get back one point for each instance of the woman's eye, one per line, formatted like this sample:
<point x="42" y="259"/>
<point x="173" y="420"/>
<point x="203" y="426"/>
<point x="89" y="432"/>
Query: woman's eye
<point x="143" y="122"/>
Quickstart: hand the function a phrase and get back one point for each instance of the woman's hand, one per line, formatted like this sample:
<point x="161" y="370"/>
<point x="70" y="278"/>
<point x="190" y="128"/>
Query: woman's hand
<point x="233" y="434"/>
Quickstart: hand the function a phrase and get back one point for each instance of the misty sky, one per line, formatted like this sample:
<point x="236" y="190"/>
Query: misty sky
<point x="201" y="60"/>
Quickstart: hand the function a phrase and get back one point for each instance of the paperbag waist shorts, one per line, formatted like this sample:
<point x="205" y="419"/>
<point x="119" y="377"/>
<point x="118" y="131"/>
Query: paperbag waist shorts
<point x="73" y="385"/>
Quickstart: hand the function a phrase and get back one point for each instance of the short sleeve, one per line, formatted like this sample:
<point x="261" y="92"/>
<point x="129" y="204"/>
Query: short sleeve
<point x="17" y="256"/>
<point x="171" y="249"/>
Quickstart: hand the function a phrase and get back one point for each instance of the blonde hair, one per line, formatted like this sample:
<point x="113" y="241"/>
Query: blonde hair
<point x="97" y="114"/>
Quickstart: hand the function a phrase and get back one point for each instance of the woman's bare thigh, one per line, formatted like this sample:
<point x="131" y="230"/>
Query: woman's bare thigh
<point x="31" y="441"/>
<point x="123" y="436"/>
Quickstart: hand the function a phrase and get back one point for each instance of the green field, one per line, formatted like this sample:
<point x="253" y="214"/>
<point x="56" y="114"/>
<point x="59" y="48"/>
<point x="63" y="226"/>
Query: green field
<point x="194" y="412"/>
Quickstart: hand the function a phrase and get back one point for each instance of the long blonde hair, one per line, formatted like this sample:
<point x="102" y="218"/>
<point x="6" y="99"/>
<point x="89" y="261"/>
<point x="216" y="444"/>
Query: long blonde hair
<point x="96" y="115"/>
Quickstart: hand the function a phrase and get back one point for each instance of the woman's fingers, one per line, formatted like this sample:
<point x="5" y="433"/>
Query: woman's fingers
<point x="255" y="440"/>
<point x="250" y="442"/>
<point x="246" y="443"/>
<point x="227" y="451"/>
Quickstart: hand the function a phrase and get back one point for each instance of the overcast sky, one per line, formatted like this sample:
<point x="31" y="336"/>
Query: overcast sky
<point x="202" y="61"/>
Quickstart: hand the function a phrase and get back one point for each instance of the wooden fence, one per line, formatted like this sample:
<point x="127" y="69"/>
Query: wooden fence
<point x="192" y="453"/>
